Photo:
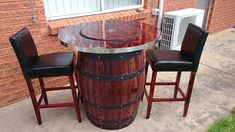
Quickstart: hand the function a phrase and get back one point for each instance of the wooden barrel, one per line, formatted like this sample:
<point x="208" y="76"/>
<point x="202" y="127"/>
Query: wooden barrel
<point x="111" y="87"/>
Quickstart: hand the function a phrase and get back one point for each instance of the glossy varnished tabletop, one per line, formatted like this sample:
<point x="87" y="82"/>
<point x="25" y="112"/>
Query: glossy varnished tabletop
<point x="109" y="36"/>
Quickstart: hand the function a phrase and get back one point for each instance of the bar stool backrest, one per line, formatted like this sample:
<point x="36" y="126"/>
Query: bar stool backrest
<point x="193" y="43"/>
<point x="25" y="49"/>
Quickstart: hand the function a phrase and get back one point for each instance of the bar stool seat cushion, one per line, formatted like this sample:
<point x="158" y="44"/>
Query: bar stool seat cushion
<point x="168" y="60"/>
<point x="49" y="65"/>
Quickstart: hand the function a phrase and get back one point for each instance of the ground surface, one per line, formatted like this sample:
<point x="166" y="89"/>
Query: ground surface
<point x="225" y="124"/>
<point x="213" y="97"/>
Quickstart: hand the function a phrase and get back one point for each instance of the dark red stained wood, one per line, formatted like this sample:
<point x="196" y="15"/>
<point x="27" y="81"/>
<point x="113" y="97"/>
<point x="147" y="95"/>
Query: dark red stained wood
<point x="58" y="88"/>
<point x="37" y="104"/>
<point x="109" y="34"/>
<point x="185" y="98"/>
<point x="151" y="92"/>
<point x="189" y="93"/>
<point x="177" y="83"/>
<point x="106" y="38"/>
<point x="162" y="83"/>
<point x="111" y="92"/>
<point x="42" y="85"/>
<point x="34" y="101"/>
<point x="56" y="105"/>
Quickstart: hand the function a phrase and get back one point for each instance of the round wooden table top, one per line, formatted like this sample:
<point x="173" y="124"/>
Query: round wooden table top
<point x="109" y="36"/>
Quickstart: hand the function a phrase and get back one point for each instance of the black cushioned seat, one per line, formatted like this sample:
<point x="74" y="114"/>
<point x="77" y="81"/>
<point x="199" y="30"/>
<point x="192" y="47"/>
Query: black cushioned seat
<point x="42" y="66"/>
<point x="166" y="60"/>
<point x="49" y="65"/>
<point x="187" y="59"/>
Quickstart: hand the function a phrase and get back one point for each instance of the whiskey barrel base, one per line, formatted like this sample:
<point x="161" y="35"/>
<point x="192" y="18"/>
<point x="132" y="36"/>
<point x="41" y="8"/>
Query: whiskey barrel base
<point x="111" y="87"/>
<point x="112" y="124"/>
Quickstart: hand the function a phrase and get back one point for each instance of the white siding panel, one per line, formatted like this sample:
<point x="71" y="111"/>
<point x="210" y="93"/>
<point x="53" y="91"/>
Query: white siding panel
<point x="67" y="6"/>
<point x="75" y="6"/>
<point x="81" y="5"/>
<point x="121" y="3"/>
<point x="60" y="10"/>
<point x="56" y="9"/>
<point x="110" y="4"/>
<point x="126" y="2"/>
<point x="116" y="4"/>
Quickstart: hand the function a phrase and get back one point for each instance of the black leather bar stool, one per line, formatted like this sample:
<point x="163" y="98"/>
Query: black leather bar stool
<point x="187" y="59"/>
<point x="47" y="65"/>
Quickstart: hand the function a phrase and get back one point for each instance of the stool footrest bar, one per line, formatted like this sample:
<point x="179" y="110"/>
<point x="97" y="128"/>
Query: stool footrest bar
<point x="181" y="92"/>
<point x="167" y="99"/>
<point x="146" y="93"/>
<point x="57" y="88"/>
<point x="162" y="83"/>
<point x="40" y="99"/>
<point x="55" y="105"/>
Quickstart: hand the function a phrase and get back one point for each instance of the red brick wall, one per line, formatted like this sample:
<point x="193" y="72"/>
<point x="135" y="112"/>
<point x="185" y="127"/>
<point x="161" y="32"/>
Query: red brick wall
<point x="16" y="14"/>
<point x="222" y="15"/>
<point x="170" y="5"/>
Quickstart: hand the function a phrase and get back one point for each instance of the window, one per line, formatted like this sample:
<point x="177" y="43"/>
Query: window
<point x="57" y="9"/>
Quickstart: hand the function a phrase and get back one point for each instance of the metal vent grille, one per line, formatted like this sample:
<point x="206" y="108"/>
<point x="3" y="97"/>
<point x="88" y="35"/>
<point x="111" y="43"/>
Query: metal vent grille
<point x="167" y="30"/>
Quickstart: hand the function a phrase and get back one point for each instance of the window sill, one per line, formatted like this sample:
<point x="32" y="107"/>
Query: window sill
<point x="56" y="26"/>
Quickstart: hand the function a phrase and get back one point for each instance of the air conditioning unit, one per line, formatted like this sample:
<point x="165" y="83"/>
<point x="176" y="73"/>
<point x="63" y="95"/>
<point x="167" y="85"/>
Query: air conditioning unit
<point x="175" y="24"/>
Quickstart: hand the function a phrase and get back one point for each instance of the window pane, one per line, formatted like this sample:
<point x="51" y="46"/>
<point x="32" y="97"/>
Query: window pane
<point x="56" y="8"/>
<point x="110" y="4"/>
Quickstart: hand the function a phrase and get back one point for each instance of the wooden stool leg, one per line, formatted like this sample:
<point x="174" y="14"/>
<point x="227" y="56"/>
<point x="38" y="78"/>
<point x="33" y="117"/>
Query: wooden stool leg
<point x="189" y="93"/>
<point x="146" y="70"/>
<point x="77" y="75"/>
<point x="75" y="68"/>
<point x="77" y="80"/>
<point x="146" y="74"/>
<point x="150" y="98"/>
<point x="75" y="98"/>
<point x="177" y="83"/>
<point x="34" y="101"/>
<point x="43" y="90"/>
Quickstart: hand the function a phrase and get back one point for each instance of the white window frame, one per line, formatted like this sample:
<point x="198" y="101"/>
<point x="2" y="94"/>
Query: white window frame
<point x="96" y="12"/>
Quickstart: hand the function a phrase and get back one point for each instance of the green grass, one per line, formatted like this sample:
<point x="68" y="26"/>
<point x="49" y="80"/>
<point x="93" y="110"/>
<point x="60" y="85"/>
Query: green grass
<point x="226" y="124"/>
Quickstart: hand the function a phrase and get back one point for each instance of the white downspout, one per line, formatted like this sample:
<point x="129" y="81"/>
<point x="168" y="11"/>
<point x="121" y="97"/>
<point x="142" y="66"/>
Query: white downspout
<point x="159" y="21"/>
<point x="35" y="19"/>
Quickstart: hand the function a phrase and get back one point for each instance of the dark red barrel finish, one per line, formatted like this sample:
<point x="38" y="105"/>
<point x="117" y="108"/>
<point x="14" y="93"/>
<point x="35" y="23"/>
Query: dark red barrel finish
<point x="111" y="67"/>
<point x="111" y="87"/>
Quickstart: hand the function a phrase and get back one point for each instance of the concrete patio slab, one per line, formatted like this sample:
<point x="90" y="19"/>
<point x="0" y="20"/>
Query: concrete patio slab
<point x="213" y="97"/>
